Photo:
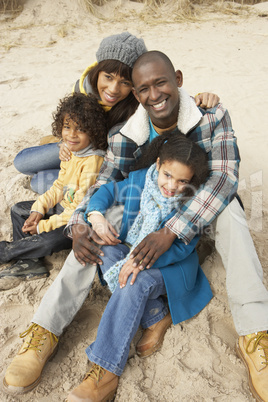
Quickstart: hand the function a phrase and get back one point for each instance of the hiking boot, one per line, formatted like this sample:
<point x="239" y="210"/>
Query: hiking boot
<point x="99" y="385"/>
<point x="24" y="372"/>
<point x="22" y="270"/>
<point x="153" y="336"/>
<point x="253" y="350"/>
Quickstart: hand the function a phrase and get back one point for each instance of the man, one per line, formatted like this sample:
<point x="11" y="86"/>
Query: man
<point x="162" y="108"/>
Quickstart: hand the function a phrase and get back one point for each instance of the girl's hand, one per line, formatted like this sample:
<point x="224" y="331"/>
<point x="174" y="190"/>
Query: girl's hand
<point x="104" y="229"/>
<point x="30" y="225"/>
<point x="127" y="270"/>
<point x="206" y="100"/>
<point x="64" y="154"/>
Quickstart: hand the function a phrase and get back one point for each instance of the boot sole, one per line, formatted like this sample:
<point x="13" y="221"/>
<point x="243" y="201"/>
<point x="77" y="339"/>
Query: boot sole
<point x="11" y="390"/>
<point x="251" y="386"/>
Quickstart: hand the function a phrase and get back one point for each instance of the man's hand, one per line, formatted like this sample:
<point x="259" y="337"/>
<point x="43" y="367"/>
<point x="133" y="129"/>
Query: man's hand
<point x="30" y="225"/>
<point x="127" y="270"/>
<point x="152" y="247"/>
<point x="85" y="251"/>
<point x="206" y="100"/>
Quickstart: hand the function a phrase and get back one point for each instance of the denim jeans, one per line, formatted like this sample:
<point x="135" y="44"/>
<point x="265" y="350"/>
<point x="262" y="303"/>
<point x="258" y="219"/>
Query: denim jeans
<point x="121" y="319"/>
<point x="25" y="245"/>
<point x="42" y="162"/>
<point x="112" y="254"/>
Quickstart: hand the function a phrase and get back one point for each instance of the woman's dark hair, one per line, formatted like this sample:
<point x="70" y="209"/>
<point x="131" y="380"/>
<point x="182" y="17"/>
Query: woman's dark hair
<point x="85" y="111"/>
<point x="177" y="147"/>
<point x="126" y="107"/>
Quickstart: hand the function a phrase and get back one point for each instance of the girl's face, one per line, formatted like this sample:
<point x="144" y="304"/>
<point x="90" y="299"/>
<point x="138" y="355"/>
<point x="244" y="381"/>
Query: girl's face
<point x="74" y="138"/>
<point x="173" y="176"/>
<point x="112" y="88"/>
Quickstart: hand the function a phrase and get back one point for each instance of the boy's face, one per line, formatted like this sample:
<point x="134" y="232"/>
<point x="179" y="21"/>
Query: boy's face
<point x="156" y="88"/>
<point x="173" y="177"/>
<point x="73" y="137"/>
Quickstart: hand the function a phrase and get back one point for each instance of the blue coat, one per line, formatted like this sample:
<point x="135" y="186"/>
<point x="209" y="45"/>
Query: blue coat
<point x="188" y="290"/>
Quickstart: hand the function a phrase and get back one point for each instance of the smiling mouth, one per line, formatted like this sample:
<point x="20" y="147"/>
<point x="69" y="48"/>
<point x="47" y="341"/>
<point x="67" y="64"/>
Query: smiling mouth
<point x="110" y="98"/>
<point x="159" y="106"/>
<point x="168" y="193"/>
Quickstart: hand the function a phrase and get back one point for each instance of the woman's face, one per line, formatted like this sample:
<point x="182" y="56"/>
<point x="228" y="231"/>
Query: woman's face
<point x="112" y="88"/>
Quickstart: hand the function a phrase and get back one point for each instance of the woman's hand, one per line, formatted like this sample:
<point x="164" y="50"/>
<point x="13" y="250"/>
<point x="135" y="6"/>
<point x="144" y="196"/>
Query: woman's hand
<point x="127" y="270"/>
<point x="206" y="100"/>
<point x="30" y="225"/>
<point x="104" y="229"/>
<point x="64" y="154"/>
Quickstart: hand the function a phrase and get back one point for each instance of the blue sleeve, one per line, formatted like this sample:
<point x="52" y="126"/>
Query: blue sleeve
<point x="107" y="195"/>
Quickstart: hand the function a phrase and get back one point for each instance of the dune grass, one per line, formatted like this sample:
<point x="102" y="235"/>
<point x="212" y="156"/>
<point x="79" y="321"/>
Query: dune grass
<point x="178" y="10"/>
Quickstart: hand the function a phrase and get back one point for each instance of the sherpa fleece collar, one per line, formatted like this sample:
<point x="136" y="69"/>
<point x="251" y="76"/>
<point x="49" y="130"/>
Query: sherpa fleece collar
<point x="137" y="127"/>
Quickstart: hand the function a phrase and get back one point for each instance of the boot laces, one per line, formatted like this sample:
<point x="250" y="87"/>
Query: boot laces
<point x="257" y="341"/>
<point x="36" y="338"/>
<point x="96" y="373"/>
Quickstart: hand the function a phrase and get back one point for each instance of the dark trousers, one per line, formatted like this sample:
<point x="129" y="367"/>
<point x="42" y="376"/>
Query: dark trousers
<point x="25" y="245"/>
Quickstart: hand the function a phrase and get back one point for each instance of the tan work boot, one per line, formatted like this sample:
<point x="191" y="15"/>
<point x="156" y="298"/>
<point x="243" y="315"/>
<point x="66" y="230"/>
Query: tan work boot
<point x="99" y="385"/>
<point x="25" y="370"/>
<point x="253" y="350"/>
<point x="153" y="336"/>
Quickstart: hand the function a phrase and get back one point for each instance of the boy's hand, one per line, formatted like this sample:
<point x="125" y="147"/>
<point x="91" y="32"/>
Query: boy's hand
<point x="206" y="100"/>
<point x="85" y="251"/>
<point x="64" y="154"/>
<point x="104" y="229"/>
<point x="30" y="225"/>
<point x="127" y="270"/>
<point x="152" y="247"/>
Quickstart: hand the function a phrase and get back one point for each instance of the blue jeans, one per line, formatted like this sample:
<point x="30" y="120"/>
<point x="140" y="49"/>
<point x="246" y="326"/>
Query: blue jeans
<point x="41" y="162"/>
<point x="140" y="303"/>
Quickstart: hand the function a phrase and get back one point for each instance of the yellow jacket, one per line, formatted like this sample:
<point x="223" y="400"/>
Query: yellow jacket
<point x="75" y="178"/>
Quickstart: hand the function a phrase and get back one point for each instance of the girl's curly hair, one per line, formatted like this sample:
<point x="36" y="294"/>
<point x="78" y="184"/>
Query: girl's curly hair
<point x="85" y="111"/>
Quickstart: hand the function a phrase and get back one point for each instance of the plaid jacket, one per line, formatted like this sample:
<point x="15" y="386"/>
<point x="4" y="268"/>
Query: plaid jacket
<point x="211" y="130"/>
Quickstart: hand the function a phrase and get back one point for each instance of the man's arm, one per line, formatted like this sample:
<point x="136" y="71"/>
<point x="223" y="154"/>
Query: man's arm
<point x="221" y="186"/>
<point x="215" y="133"/>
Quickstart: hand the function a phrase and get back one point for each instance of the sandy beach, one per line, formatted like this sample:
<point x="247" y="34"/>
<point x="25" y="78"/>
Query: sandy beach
<point x="43" y="52"/>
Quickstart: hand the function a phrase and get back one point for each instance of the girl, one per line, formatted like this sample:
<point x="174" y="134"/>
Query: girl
<point x="110" y="80"/>
<point x="38" y="226"/>
<point x="150" y="196"/>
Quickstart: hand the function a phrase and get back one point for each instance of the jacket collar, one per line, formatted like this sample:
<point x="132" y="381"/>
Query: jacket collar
<point x="137" y="127"/>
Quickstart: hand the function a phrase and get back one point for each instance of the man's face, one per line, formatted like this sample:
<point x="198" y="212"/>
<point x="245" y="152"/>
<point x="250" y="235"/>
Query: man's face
<point x="156" y="88"/>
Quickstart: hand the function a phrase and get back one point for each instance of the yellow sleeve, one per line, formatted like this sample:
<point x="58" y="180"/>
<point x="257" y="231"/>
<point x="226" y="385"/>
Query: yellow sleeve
<point x="87" y="179"/>
<point x="52" y="196"/>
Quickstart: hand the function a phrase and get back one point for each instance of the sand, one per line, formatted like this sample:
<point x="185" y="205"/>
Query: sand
<point x="43" y="51"/>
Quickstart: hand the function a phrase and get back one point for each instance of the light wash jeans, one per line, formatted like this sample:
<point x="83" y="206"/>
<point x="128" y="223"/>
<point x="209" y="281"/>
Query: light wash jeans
<point x="42" y="162"/>
<point x="248" y="298"/>
<point x="122" y="316"/>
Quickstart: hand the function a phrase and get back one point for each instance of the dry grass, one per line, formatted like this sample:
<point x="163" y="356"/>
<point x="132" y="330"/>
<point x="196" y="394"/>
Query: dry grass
<point x="166" y="11"/>
<point x="147" y="10"/>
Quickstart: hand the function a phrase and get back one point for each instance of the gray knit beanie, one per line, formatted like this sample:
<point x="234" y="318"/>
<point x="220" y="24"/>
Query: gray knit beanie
<point x="123" y="47"/>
